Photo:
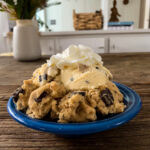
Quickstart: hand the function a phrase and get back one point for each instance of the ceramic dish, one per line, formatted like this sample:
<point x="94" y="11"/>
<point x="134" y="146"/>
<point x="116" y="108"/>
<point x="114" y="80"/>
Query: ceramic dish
<point x="131" y="99"/>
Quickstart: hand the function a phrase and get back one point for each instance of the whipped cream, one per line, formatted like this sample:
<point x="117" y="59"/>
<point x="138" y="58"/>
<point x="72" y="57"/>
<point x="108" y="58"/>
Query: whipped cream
<point x="74" y="55"/>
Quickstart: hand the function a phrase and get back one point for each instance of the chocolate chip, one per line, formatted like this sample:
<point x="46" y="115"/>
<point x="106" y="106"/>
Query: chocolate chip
<point x="24" y="110"/>
<point x="82" y="93"/>
<point x="97" y="67"/>
<point x="71" y="79"/>
<point x="16" y="94"/>
<point x="107" y="97"/>
<point x="45" y="76"/>
<point x="40" y="78"/>
<point x="83" y="68"/>
<point x="86" y="81"/>
<point x="39" y="99"/>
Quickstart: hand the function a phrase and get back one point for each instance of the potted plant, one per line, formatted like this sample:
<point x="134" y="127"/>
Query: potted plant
<point x="26" y="44"/>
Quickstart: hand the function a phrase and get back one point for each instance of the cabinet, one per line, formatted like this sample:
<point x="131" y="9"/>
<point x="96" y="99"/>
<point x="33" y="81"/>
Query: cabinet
<point x="2" y="44"/>
<point x="97" y="44"/>
<point x="100" y="41"/>
<point x="47" y="46"/>
<point x="129" y="44"/>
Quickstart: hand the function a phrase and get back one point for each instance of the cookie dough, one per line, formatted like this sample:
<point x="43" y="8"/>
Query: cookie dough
<point x="57" y="89"/>
<point x="21" y="95"/>
<point x="42" y="100"/>
<point x="44" y="74"/>
<point x="81" y="106"/>
<point x="74" y="108"/>
<point x="71" y="87"/>
<point x="107" y="99"/>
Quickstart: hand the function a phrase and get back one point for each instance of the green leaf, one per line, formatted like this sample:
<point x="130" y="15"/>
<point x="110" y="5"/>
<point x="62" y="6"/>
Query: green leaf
<point x="25" y="9"/>
<point x="10" y="2"/>
<point x="2" y="10"/>
<point x="19" y="7"/>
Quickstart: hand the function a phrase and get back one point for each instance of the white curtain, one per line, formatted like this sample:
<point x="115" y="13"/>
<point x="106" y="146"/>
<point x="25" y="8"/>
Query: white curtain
<point x="4" y="28"/>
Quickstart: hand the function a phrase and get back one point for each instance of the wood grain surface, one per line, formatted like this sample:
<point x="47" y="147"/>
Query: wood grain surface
<point x="130" y="69"/>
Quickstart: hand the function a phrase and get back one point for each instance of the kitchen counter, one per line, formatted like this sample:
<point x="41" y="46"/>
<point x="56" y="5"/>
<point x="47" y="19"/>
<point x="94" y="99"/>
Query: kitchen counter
<point x="95" y="32"/>
<point x="88" y="32"/>
<point x="132" y="70"/>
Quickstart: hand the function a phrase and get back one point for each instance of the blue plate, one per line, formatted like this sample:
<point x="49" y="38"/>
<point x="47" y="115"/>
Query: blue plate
<point x="131" y="99"/>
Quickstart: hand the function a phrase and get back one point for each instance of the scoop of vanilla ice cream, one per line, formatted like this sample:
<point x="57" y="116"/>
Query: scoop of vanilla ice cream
<point x="74" y="55"/>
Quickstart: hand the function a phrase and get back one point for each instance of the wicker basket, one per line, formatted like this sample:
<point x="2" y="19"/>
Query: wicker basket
<point x="88" y="21"/>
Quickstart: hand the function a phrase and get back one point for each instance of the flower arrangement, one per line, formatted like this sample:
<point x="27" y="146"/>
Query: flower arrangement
<point x="22" y="9"/>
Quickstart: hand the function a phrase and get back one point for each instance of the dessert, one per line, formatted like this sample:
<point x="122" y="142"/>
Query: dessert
<point x="72" y="86"/>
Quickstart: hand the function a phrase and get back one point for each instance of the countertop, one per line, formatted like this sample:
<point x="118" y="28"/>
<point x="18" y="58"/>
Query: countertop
<point x="87" y="32"/>
<point x="132" y="70"/>
<point x="95" y="32"/>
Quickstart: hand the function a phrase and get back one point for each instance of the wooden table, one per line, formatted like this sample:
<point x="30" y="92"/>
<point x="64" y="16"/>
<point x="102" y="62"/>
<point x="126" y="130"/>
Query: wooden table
<point x="130" y="69"/>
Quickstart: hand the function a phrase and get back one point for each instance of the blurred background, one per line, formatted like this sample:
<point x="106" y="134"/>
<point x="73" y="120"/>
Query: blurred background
<point x="107" y="26"/>
<point x="58" y="16"/>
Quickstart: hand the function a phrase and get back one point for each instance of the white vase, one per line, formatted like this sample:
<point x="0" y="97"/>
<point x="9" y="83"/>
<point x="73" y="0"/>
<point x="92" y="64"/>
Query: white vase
<point x="26" y="43"/>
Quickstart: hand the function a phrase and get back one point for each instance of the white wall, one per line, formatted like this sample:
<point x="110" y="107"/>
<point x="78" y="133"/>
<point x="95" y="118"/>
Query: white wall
<point x="146" y="14"/>
<point x="104" y="7"/>
<point x="130" y="12"/>
<point x="4" y="28"/>
<point x="40" y="15"/>
<point x="63" y="13"/>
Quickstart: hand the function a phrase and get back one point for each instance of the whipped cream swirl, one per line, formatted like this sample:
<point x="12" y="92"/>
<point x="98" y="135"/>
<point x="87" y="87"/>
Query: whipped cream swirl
<point x="74" y="55"/>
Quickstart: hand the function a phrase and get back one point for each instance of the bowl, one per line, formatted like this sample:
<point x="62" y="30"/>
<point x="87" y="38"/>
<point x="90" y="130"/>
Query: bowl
<point x="131" y="99"/>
